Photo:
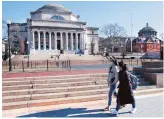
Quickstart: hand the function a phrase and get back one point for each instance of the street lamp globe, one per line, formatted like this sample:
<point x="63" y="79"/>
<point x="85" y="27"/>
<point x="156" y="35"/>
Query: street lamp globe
<point x="8" y="22"/>
<point x="27" y="42"/>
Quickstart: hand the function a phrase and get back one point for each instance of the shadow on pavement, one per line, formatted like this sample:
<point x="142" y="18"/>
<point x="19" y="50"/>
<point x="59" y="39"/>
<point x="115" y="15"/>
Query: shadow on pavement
<point x="71" y="112"/>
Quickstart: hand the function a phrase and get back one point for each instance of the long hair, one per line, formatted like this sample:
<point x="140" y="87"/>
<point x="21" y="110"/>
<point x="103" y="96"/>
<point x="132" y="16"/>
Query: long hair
<point x="123" y="66"/>
<point x="114" y="60"/>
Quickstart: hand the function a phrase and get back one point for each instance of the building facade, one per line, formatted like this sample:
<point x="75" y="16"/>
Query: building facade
<point x="53" y="28"/>
<point x="147" y="40"/>
<point x="116" y="44"/>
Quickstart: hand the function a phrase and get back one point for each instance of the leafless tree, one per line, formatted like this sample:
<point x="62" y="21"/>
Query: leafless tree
<point x="14" y="34"/>
<point x="92" y="47"/>
<point x="162" y="36"/>
<point x="113" y="30"/>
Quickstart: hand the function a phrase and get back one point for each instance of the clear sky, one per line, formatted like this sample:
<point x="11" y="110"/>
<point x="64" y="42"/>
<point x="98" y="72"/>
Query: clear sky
<point x="96" y="14"/>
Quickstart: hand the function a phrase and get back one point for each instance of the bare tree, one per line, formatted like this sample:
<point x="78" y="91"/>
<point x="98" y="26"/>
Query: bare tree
<point x="113" y="30"/>
<point x="162" y="35"/>
<point x="92" y="47"/>
<point x="14" y="35"/>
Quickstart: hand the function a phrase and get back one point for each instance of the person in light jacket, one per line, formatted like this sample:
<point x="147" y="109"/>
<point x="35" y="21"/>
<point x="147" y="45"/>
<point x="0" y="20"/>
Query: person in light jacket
<point x="112" y="81"/>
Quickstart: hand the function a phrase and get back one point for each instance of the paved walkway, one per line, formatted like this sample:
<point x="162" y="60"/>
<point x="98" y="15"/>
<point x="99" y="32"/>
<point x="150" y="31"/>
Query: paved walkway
<point x="55" y="73"/>
<point x="147" y="106"/>
<point x="79" y="69"/>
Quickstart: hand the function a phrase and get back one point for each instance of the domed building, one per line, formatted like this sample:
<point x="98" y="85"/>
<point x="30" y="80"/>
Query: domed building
<point x="53" y="28"/>
<point x="147" y="31"/>
<point x="147" y="40"/>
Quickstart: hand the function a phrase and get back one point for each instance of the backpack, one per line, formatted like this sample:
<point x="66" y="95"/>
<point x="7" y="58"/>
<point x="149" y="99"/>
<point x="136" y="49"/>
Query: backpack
<point x="134" y="81"/>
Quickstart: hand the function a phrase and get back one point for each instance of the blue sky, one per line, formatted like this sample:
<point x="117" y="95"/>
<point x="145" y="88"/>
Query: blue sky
<point x="96" y="14"/>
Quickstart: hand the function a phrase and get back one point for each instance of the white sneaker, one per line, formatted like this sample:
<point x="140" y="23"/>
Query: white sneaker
<point x="133" y="110"/>
<point x="115" y="112"/>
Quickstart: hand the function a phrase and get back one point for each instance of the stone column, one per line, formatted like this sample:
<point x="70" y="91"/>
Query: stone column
<point x="55" y="40"/>
<point x="38" y="40"/>
<point x="44" y="33"/>
<point x="50" y="40"/>
<point x="61" y="39"/>
<point x="72" y="41"/>
<point x="66" y="40"/>
<point x="33" y="40"/>
<point x="81" y="40"/>
<point x="76" y="41"/>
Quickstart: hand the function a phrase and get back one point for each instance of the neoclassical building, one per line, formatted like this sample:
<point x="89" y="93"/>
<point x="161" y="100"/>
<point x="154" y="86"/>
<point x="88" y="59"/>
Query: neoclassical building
<point x="53" y="27"/>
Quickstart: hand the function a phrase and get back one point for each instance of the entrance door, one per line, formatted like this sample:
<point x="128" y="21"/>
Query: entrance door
<point x="58" y="44"/>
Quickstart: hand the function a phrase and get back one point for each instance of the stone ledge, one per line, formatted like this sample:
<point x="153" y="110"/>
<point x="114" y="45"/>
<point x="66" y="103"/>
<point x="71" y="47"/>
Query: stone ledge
<point x="155" y="78"/>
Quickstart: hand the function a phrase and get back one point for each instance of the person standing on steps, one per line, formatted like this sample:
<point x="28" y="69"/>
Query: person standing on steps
<point x="125" y="93"/>
<point x="112" y="81"/>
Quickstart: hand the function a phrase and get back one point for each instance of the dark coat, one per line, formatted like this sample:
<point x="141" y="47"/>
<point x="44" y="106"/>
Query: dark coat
<point x="125" y="92"/>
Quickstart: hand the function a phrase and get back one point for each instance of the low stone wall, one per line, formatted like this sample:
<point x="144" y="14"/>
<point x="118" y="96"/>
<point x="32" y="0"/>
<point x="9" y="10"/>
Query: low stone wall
<point x="155" y="78"/>
<point x="138" y="70"/>
<point x="152" y="64"/>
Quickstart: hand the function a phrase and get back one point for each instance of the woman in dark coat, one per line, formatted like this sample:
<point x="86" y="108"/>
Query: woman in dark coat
<point x="125" y="92"/>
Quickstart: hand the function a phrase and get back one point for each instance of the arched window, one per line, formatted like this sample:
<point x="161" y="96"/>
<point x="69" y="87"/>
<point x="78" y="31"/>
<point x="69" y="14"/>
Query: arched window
<point x="57" y="18"/>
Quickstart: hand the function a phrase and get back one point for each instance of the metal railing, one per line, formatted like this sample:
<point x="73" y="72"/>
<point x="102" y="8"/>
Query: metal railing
<point x="46" y="65"/>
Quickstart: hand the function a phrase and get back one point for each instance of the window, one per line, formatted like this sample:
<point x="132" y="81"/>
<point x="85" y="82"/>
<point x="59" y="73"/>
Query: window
<point x="92" y="32"/>
<point x="57" y="18"/>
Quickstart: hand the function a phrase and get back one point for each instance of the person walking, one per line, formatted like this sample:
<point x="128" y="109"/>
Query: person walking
<point x="112" y="81"/>
<point x="125" y="93"/>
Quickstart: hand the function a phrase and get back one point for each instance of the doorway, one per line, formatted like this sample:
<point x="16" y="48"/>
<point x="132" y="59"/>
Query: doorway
<point x="58" y="45"/>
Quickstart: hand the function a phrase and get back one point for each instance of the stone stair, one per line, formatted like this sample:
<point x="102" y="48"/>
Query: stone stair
<point x="54" y="90"/>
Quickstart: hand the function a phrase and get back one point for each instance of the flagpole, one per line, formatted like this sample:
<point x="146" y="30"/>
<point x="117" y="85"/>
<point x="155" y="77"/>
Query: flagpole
<point x="131" y="31"/>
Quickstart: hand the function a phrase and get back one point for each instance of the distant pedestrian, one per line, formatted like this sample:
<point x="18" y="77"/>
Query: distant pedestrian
<point x="112" y="81"/>
<point x="125" y="93"/>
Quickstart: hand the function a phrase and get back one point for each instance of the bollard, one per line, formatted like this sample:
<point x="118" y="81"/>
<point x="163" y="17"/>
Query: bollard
<point x="137" y="61"/>
<point x="14" y="65"/>
<point x="35" y="64"/>
<point x="31" y="64"/>
<point x="47" y="64"/>
<point x="131" y="61"/>
<point x="23" y="66"/>
<point x="65" y="64"/>
<point x="70" y="64"/>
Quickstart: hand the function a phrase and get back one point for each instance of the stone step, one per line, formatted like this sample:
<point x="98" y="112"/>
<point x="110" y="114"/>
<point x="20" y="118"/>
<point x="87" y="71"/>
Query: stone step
<point x="53" y="95"/>
<point x="56" y="77"/>
<point x="58" y="101"/>
<point x="47" y="81"/>
<point x="53" y="85"/>
<point x="52" y="90"/>
<point x="144" y="83"/>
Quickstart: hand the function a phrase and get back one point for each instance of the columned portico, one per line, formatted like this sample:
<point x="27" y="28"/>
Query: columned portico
<point x="72" y="48"/>
<point x="50" y="40"/>
<point x="76" y="41"/>
<point x="54" y="40"/>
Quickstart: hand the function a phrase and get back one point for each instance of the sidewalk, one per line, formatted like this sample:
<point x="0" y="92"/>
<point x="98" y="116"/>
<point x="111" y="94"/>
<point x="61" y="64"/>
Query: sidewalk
<point x="92" y="109"/>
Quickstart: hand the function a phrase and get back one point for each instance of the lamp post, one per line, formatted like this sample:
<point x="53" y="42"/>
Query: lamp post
<point x="28" y="63"/>
<point x="8" y="26"/>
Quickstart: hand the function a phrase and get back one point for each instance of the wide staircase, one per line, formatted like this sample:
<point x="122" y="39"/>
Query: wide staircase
<point x="20" y="93"/>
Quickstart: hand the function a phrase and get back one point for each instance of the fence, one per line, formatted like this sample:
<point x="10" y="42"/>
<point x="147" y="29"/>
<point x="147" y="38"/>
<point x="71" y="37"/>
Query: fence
<point x="63" y="64"/>
<point x="38" y="65"/>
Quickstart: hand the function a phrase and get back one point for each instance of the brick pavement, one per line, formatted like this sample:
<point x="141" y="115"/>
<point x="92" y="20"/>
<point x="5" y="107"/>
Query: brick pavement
<point x="52" y="73"/>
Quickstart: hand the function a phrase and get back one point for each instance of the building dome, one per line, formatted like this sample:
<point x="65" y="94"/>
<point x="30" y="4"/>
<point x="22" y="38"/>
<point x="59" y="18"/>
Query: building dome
<point x="147" y="28"/>
<point x="53" y="8"/>
<point x="147" y="31"/>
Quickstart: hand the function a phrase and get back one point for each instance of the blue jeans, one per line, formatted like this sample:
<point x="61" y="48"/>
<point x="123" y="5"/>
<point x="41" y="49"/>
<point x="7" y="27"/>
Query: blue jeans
<point x="118" y="104"/>
<point x="112" y="91"/>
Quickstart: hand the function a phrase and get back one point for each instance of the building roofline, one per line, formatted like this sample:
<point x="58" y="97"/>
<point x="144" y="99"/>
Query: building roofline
<point x="61" y="21"/>
<point x="92" y="28"/>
